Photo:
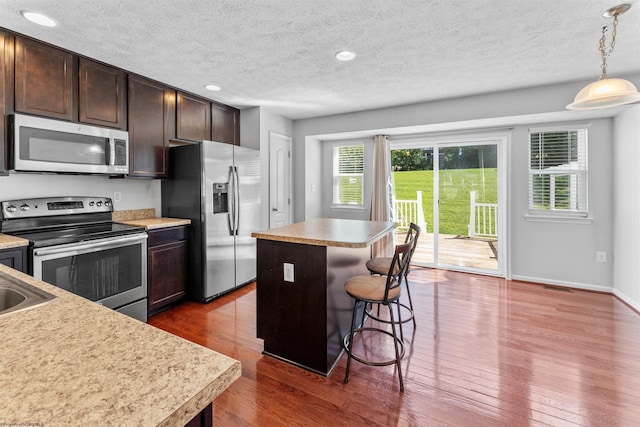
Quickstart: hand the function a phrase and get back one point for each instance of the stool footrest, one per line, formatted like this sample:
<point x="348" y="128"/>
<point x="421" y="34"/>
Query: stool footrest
<point x="387" y="321"/>
<point x="346" y="343"/>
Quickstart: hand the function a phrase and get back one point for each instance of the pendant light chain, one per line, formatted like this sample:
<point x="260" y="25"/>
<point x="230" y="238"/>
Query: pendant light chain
<point x="602" y="46"/>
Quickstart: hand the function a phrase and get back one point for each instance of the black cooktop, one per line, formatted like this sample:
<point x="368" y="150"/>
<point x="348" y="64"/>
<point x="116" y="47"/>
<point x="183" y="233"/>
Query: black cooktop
<point x="78" y="233"/>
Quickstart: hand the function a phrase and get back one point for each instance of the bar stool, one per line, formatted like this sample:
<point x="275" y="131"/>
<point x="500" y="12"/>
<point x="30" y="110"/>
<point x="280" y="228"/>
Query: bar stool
<point x="381" y="266"/>
<point x="374" y="289"/>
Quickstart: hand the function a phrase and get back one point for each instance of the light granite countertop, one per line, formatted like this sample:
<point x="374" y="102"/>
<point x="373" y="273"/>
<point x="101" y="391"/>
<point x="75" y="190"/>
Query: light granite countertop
<point x="9" y="242"/>
<point x="347" y="233"/>
<point x="73" y="362"/>
<point x="147" y="218"/>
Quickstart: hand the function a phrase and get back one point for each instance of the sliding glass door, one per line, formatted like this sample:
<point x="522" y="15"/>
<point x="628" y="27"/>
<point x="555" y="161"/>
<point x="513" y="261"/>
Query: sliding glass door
<point x="468" y="206"/>
<point x="454" y="190"/>
<point x="413" y="183"/>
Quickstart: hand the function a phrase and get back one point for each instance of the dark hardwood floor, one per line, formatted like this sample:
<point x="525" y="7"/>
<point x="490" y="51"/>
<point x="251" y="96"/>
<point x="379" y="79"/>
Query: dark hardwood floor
<point x="486" y="352"/>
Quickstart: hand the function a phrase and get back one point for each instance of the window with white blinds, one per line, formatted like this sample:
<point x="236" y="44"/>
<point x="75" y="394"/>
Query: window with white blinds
<point x="558" y="172"/>
<point x="348" y="174"/>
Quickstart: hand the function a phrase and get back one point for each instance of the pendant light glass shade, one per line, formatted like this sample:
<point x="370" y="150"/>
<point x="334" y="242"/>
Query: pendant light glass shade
<point x="604" y="93"/>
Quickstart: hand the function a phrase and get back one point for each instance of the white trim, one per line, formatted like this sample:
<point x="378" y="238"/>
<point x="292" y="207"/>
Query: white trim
<point x="347" y="208"/>
<point x="560" y="127"/>
<point x="575" y="285"/>
<point x="559" y="219"/>
<point x="416" y="141"/>
<point x="627" y="299"/>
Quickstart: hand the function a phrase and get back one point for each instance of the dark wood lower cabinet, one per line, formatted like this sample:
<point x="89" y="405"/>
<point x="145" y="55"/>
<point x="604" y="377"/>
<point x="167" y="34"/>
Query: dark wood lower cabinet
<point x="203" y="419"/>
<point x="15" y="258"/>
<point x="167" y="252"/>
<point x="304" y="322"/>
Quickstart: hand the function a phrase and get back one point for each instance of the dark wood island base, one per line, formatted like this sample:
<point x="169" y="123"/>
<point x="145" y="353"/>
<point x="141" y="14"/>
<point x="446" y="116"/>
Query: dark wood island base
<point x="303" y="319"/>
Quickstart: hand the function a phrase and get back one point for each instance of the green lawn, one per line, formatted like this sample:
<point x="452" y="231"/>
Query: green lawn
<point x="455" y="185"/>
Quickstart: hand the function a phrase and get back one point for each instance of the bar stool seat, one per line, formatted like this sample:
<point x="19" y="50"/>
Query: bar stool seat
<point x="367" y="287"/>
<point x="382" y="290"/>
<point x="379" y="265"/>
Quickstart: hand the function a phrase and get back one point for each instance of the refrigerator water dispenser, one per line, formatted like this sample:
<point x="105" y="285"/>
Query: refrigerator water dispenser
<point x="220" y="197"/>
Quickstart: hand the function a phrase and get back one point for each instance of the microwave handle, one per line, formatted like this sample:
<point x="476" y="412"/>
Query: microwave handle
<point x="110" y="152"/>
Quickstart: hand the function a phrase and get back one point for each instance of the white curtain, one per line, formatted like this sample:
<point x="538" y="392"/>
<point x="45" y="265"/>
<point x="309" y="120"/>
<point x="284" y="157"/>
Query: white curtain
<point x="381" y="202"/>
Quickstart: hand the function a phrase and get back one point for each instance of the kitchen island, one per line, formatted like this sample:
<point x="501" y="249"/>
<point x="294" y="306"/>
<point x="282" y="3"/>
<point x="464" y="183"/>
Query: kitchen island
<point x="303" y="311"/>
<point x="71" y="361"/>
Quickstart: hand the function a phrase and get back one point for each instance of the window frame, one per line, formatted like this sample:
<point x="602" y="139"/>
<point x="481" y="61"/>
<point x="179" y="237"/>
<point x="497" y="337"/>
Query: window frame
<point x="580" y="169"/>
<point x="336" y="203"/>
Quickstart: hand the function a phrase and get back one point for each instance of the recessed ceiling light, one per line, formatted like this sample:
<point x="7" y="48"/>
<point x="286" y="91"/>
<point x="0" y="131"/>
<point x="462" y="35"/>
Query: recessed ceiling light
<point x="38" y="18"/>
<point x="345" y="55"/>
<point x="212" y="87"/>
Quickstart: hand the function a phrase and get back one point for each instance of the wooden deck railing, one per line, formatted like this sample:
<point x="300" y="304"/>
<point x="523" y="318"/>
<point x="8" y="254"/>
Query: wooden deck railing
<point x="483" y="218"/>
<point x="407" y="211"/>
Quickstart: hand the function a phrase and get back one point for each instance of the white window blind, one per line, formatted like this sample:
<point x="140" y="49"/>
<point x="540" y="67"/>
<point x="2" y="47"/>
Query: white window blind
<point x="558" y="172"/>
<point x="348" y="174"/>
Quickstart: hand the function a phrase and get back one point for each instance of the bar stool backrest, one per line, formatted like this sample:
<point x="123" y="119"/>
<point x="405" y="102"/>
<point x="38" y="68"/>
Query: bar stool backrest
<point x="399" y="266"/>
<point x="412" y="233"/>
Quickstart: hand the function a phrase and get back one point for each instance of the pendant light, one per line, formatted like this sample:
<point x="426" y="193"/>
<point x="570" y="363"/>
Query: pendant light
<point x="607" y="92"/>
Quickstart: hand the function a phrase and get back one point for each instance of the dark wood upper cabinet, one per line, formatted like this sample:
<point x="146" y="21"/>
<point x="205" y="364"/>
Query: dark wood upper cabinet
<point x="193" y="118"/>
<point x="6" y="96"/>
<point x="44" y="79"/>
<point x="101" y="95"/>
<point x="152" y="115"/>
<point x="225" y="124"/>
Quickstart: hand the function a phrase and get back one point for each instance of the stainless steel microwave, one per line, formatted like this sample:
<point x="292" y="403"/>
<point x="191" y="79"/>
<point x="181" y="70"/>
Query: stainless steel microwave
<point x="46" y="145"/>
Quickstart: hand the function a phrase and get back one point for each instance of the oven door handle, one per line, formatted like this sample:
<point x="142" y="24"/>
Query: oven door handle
<point x="72" y="249"/>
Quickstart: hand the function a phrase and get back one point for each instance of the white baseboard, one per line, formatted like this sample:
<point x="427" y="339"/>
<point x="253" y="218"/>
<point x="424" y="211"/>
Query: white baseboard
<point x="576" y="285"/>
<point x="627" y="300"/>
<point x="630" y="302"/>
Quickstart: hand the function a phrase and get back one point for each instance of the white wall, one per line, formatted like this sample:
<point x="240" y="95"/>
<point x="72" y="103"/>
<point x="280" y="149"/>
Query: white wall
<point x="547" y="261"/>
<point x="328" y="211"/>
<point x="307" y="205"/>
<point x="564" y="253"/>
<point x="626" y="202"/>
<point x="256" y="123"/>
<point x="136" y="193"/>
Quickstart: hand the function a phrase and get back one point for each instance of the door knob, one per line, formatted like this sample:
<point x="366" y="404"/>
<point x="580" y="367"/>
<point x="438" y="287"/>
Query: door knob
<point x="274" y="209"/>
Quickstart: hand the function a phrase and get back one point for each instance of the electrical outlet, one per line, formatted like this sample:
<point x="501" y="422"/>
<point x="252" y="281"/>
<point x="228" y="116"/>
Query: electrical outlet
<point x="288" y="272"/>
<point x="117" y="196"/>
<point x="601" y="257"/>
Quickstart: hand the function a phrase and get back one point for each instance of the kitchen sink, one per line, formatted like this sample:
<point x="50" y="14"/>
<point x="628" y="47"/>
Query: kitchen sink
<point x="16" y="295"/>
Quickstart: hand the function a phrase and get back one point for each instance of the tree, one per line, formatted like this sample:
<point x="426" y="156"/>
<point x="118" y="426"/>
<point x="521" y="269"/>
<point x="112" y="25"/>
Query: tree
<point x="412" y="159"/>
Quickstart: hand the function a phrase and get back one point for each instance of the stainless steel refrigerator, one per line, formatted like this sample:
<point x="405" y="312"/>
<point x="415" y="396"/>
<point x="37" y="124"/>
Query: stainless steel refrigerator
<point x="217" y="186"/>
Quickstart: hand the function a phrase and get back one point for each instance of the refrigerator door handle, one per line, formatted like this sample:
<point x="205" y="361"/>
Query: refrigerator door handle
<point x="236" y="202"/>
<point x="231" y="209"/>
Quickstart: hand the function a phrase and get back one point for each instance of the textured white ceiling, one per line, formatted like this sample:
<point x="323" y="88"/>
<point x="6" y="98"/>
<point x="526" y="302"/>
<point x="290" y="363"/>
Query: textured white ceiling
<point x="279" y="53"/>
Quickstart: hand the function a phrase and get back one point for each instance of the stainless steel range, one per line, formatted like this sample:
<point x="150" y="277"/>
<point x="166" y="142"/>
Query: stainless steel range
<point x="75" y="245"/>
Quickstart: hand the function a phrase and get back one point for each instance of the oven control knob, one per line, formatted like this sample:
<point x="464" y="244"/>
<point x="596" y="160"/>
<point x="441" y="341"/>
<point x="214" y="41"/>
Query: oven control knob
<point x="11" y="208"/>
<point x="91" y="203"/>
<point x="98" y="203"/>
<point x="24" y="207"/>
<point x="107" y="203"/>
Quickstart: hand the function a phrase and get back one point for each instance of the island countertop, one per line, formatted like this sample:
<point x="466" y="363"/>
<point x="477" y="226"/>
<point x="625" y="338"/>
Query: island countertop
<point x="346" y="233"/>
<point x="73" y="362"/>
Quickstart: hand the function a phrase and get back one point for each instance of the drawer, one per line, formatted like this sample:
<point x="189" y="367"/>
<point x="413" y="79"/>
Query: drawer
<point x="166" y="235"/>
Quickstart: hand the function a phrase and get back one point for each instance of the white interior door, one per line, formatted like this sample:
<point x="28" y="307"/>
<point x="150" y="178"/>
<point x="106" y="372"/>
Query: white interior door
<point x="279" y="180"/>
